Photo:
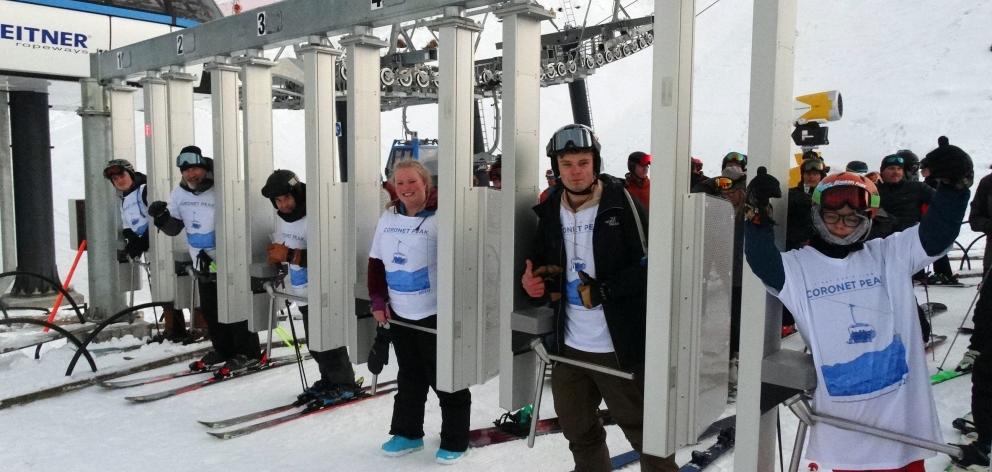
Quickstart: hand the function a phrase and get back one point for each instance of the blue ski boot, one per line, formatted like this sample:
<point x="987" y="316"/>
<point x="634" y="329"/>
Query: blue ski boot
<point x="399" y="446"/>
<point x="336" y="394"/>
<point x="447" y="457"/>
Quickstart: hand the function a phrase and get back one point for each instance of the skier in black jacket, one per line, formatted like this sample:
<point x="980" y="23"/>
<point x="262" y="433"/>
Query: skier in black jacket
<point x="980" y="219"/>
<point x="902" y="200"/>
<point x="589" y="247"/>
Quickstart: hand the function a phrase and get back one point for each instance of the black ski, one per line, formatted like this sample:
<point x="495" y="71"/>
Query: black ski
<point x="272" y="411"/>
<point x="310" y="409"/>
<point x="703" y="459"/>
<point x="620" y="461"/>
<point x="273" y="363"/>
<point x="513" y="431"/>
<point x="115" y="384"/>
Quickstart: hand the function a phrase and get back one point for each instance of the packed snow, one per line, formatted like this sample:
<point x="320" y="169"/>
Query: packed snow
<point x="909" y="72"/>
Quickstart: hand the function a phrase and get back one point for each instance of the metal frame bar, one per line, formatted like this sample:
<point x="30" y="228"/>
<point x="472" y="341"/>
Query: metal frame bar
<point x="8" y="239"/>
<point x="671" y="119"/>
<point x="284" y="23"/>
<point x="770" y="122"/>
<point x="330" y="285"/>
<point x="158" y="166"/>
<point x="180" y="126"/>
<point x="521" y="163"/>
<point x="458" y="225"/>
<point x="256" y="90"/>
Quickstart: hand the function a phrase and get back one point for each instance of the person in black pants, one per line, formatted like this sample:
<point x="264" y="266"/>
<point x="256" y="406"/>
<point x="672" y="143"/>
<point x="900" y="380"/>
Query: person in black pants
<point x="191" y="208"/>
<point x="402" y="282"/>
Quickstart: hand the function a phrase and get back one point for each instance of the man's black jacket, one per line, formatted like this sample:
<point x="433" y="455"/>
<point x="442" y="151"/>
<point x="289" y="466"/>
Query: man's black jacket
<point x="620" y="265"/>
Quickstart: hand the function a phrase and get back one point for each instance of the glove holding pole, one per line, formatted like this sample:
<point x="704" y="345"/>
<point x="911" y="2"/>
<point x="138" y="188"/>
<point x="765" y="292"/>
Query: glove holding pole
<point x="159" y="211"/>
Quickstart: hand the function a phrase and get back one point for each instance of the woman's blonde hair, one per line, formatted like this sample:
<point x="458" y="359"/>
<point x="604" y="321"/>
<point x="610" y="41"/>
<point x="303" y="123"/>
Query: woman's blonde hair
<point x="416" y="166"/>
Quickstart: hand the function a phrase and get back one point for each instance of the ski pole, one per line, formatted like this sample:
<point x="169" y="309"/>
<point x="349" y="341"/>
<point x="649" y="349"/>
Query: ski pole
<point x="65" y="285"/>
<point x="929" y="313"/>
<point x="148" y="273"/>
<point x="974" y="299"/>
<point x="296" y="345"/>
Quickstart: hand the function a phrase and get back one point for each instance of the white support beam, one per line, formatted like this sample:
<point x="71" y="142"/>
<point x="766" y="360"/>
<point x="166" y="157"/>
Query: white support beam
<point x="7" y="228"/>
<point x="230" y="218"/>
<point x="102" y="216"/>
<point x="256" y="89"/>
<point x="769" y="125"/>
<point x="522" y="158"/>
<point x="159" y="167"/>
<point x="458" y="226"/>
<point x="330" y="249"/>
<point x="671" y="118"/>
<point x="362" y="61"/>
<point x="179" y="98"/>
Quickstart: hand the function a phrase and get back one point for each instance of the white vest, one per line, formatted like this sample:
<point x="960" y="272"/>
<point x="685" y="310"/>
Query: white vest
<point x="134" y="211"/>
<point x="294" y="236"/>
<point x="197" y="214"/>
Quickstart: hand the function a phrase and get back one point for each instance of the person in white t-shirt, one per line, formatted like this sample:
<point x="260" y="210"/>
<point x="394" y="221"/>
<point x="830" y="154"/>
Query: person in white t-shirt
<point x="289" y="249"/>
<point x="854" y="306"/>
<point x="402" y="284"/>
<point x="589" y="263"/>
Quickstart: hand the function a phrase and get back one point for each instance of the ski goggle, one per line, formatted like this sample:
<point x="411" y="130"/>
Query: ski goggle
<point x="735" y="157"/>
<point x="110" y="172"/>
<point x="851" y="196"/>
<point x="723" y="183"/>
<point x="851" y="221"/>
<point x="571" y="139"/>
<point x="188" y="159"/>
<point x="893" y="160"/>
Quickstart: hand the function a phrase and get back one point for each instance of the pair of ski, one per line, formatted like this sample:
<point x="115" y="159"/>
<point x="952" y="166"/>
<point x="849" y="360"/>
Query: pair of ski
<point x="213" y="379"/>
<point x="723" y="427"/>
<point x="945" y="375"/>
<point x="300" y="409"/>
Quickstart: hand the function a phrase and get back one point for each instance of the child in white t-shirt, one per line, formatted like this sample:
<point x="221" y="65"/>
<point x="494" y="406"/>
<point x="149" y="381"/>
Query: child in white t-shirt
<point x="854" y="306"/>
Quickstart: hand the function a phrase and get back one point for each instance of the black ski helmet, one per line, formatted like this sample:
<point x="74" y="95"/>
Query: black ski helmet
<point x="574" y="137"/>
<point x="116" y="166"/>
<point x="734" y="157"/>
<point x="283" y="182"/>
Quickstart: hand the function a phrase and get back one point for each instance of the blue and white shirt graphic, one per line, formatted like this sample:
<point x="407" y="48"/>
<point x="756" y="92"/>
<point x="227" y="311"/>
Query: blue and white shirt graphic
<point x="407" y="247"/>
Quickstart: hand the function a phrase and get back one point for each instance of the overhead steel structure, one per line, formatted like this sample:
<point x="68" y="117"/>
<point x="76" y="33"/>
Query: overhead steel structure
<point x="342" y="205"/>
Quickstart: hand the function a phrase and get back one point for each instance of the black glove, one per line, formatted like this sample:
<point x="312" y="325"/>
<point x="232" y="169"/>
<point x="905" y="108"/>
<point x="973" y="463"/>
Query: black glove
<point x="763" y="187"/>
<point x="159" y="211"/>
<point x="949" y="165"/>
<point x="134" y="245"/>
<point x="591" y="291"/>
<point x="379" y="354"/>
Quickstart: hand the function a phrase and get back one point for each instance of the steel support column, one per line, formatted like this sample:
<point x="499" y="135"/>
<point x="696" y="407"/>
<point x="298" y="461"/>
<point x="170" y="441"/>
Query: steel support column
<point x="671" y="118"/>
<point x="256" y="89"/>
<point x="363" y="145"/>
<point x="521" y="162"/>
<point x="770" y="122"/>
<point x="330" y="244"/>
<point x="230" y="213"/>
<point x="458" y="225"/>
<point x="159" y="168"/>
<point x="179" y="95"/>
<point x="102" y="216"/>
<point x="8" y="243"/>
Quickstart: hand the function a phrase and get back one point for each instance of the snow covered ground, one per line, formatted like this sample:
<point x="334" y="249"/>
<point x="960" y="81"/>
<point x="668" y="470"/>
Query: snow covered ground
<point x="909" y="71"/>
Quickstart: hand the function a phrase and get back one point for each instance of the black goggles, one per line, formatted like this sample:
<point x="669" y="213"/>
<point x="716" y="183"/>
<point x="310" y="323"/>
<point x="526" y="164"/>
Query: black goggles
<point x="892" y="161"/>
<point x="570" y="139"/>
<point x="188" y="159"/>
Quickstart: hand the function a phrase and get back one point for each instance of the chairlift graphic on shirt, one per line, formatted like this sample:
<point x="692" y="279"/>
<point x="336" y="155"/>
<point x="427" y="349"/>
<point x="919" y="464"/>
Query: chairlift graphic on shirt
<point x="195" y="224"/>
<point x="134" y="221"/>
<point x="859" y="332"/>
<point x="399" y="257"/>
<point x="578" y="264"/>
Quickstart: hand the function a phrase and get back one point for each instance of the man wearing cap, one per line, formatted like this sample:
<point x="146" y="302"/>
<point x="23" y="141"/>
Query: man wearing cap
<point x="902" y="200"/>
<point x="133" y="192"/>
<point x="191" y="208"/>
<point x="589" y="265"/>
<point x="553" y="184"/>
<point x="637" y="181"/>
